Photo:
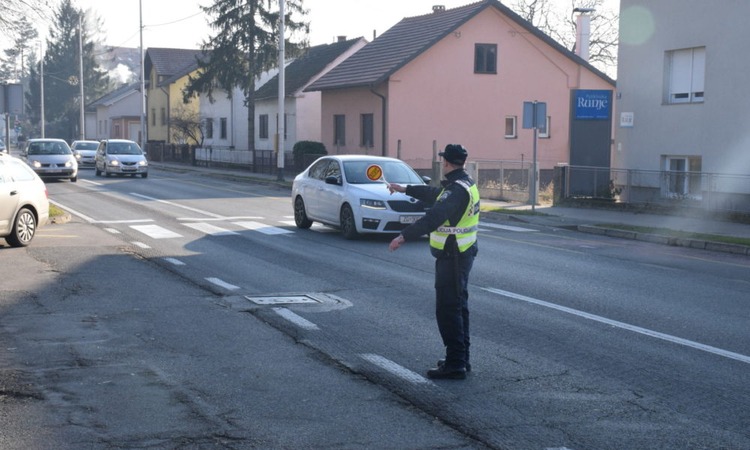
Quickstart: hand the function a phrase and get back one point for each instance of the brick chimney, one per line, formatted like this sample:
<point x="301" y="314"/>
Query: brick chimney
<point x="438" y="9"/>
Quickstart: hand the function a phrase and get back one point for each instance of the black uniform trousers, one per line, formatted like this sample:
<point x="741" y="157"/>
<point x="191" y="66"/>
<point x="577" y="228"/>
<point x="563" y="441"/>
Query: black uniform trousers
<point x="452" y="304"/>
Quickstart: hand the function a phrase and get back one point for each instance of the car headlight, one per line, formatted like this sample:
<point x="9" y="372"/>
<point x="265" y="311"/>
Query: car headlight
<point x="113" y="162"/>
<point x="143" y="163"/>
<point x="372" y="204"/>
<point x="77" y="155"/>
<point x="36" y="164"/>
<point x="68" y="163"/>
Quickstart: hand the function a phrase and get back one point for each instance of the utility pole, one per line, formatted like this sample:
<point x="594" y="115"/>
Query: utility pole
<point x="143" y="81"/>
<point x="80" y="78"/>
<point x="280" y="120"/>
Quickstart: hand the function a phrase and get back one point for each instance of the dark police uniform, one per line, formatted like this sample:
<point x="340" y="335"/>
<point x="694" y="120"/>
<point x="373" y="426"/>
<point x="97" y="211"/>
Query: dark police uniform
<point x="451" y="223"/>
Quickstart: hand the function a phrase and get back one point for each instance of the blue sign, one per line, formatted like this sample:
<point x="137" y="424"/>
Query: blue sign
<point x="593" y="104"/>
<point x="534" y="114"/>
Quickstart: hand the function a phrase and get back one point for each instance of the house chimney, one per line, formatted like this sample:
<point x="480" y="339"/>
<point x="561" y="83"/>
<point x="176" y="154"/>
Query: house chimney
<point x="341" y="39"/>
<point x="583" y="32"/>
<point x="438" y="9"/>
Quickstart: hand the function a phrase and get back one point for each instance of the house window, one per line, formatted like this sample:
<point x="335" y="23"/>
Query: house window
<point x="510" y="127"/>
<point x="686" y="73"/>
<point x="223" y="128"/>
<point x="164" y="116"/>
<point x="339" y="130"/>
<point x="683" y="176"/>
<point x="209" y="128"/>
<point x="153" y="117"/>
<point x="485" y="58"/>
<point x="544" y="129"/>
<point x="263" y="126"/>
<point x="366" y="138"/>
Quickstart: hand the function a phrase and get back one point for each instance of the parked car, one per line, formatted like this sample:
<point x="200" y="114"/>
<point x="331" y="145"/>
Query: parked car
<point x="335" y="190"/>
<point x="121" y="157"/>
<point x="84" y="151"/>
<point x="23" y="201"/>
<point x="51" y="158"/>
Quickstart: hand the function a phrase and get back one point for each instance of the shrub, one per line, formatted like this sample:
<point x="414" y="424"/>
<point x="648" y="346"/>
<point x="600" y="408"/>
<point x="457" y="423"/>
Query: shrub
<point x="303" y="148"/>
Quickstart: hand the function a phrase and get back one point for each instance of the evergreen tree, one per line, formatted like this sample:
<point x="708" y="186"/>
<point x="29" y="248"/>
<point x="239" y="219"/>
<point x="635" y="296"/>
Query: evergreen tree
<point x="12" y="64"/>
<point x="62" y="72"/>
<point x="245" y="46"/>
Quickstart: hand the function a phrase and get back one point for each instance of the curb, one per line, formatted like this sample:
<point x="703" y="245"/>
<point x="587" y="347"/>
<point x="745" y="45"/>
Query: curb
<point x="736" y="249"/>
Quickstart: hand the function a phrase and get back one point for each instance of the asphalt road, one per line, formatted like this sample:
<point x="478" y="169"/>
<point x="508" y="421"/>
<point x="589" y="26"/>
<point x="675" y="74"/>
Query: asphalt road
<point x="183" y="312"/>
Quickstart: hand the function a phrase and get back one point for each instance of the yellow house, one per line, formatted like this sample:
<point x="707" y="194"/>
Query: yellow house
<point x="167" y="71"/>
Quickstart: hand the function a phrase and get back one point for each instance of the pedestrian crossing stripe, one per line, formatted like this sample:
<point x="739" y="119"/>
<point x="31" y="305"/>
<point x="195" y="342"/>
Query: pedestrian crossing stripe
<point x="262" y="228"/>
<point x="211" y="229"/>
<point x="155" y="231"/>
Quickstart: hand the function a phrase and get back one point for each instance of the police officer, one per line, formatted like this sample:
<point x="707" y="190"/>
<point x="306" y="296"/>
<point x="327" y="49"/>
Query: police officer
<point x="452" y="224"/>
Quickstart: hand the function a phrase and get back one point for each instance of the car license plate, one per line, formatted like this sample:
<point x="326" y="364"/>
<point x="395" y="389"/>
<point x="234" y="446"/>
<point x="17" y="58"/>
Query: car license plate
<point x="409" y="219"/>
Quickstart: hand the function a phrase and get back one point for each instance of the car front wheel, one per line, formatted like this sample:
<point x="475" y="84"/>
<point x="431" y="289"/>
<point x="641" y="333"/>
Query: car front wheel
<point x="300" y="216"/>
<point x="23" y="229"/>
<point x="348" y="225"/>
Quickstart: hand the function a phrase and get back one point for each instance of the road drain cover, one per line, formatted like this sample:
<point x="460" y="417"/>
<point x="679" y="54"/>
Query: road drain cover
<point x="283" y="300"/>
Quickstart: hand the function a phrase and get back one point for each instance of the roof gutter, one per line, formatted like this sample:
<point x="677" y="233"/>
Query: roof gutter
<point x="383" y="133"/>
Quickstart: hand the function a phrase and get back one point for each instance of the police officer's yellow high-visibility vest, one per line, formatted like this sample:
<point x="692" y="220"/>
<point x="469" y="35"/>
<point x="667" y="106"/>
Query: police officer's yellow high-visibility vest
<point x="466" y="228"/>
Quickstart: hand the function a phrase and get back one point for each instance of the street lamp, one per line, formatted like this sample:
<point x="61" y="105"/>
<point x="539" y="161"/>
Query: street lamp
<point x="41" y="83"/>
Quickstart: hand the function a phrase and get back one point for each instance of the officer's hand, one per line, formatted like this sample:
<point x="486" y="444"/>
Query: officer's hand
<point x="394" y="187"/>
<point x="396" y="243"/>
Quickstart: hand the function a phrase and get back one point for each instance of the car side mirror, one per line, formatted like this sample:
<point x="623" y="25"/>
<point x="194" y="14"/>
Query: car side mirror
<point x="426" y="179"/>
<point x="333" y="180"/>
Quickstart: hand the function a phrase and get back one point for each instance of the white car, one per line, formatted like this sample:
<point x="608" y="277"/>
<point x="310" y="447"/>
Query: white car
<point x="335" y="190"/>
<point x="51" y="158"/>
<point x="84" y="151"/>
<point x="121" y="157"/>
<point x="23" y="201"/>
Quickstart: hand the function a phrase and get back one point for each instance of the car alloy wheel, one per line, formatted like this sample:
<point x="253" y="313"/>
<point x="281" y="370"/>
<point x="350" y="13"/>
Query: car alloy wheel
<point x="300" y="216"/>
<point x="23" y="229"/>
<point x="348" y="225"/>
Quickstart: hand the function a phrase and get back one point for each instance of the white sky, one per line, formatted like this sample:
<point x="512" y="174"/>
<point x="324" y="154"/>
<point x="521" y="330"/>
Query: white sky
<point x="181" y="23"/>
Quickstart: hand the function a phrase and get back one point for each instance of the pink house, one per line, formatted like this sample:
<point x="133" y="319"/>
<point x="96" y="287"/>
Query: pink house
<point x="455" y="76"/>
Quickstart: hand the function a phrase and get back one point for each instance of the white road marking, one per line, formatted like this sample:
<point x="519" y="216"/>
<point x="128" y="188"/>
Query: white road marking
<point x="395" y="369"/>
<point x="289" y="223"/>
<point x="208" y="228"/>
<point x="625" y="326"/>
<point x="223" y="284"/>
<point x="73" y="211"/>
<point x="295" y="319"/>
<point x="506" y="227"/>
<point x="140" y="244"/>
<point x="262" y="228"/>
<point x="174" y="261"/>
<point x="125" y="221"/>
<point x="177" y="205"/>
<point x="204" y="219"/>
<point x="155" y="231"/>
<point x="112" y="230"/>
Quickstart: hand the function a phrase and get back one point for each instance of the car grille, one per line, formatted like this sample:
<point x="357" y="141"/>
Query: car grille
<point x="405" y="206"/>
<point x="54" y="166"/>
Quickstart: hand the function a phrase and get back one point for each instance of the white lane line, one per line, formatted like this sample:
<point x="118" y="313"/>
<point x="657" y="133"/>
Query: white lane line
<point x="73" y="211"/>
<point x="204" y="219"/>
<point x="625" y="326"/>
<point x="112" y="230"/>
<point x="395" y="369"/>
<point x="174" y="261"/>
<point x="295" y="319"/>
<point x="208" y="228"/>
<point x="140" y="244"/>
<point x="262" y="228"/>
<point x="176" y="205"/>
<point x="506" y="227"/>
<point x="223" y="284"/>
<point x="155" y="231"/>
<point x="125" y="221"/>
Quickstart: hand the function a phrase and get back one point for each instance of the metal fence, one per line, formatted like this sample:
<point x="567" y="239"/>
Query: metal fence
<point x="728" y="193"/>
<point x="509" y="180"/>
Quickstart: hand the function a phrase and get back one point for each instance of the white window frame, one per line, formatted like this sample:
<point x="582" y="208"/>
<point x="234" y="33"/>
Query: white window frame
<point x="514" y="126"/>
<point x="544" y="133"/>
<point x="685" y="75"/>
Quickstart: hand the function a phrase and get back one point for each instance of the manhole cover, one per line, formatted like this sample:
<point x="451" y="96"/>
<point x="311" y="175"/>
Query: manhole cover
<point x="282" y="300"/>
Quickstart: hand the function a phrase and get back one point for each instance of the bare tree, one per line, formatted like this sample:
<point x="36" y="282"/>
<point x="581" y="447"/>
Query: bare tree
<point x="186" y="126"/>
<point x="560" y="25"/>
<point x="15" y="12"/>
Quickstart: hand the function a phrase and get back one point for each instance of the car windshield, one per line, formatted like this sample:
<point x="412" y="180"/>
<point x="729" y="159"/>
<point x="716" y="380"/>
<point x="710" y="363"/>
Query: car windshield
<point x="86" y="145"/>
<point x="48" y="148"/>
<point x="123" y="148"/>
<point x="393" y="172"/>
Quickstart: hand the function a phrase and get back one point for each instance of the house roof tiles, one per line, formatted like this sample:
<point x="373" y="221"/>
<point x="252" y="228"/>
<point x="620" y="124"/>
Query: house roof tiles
<point x="412" y="36"/>
<point x="300" y="71"/>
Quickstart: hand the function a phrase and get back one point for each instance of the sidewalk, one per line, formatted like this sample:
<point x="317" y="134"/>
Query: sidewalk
<point x="588" y="220"/>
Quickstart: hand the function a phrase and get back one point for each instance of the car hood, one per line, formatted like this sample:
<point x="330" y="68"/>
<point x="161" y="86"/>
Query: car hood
<point x="127" y="158"/>
<point x="51" y="159"/>
<point x="377" y="191"/>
